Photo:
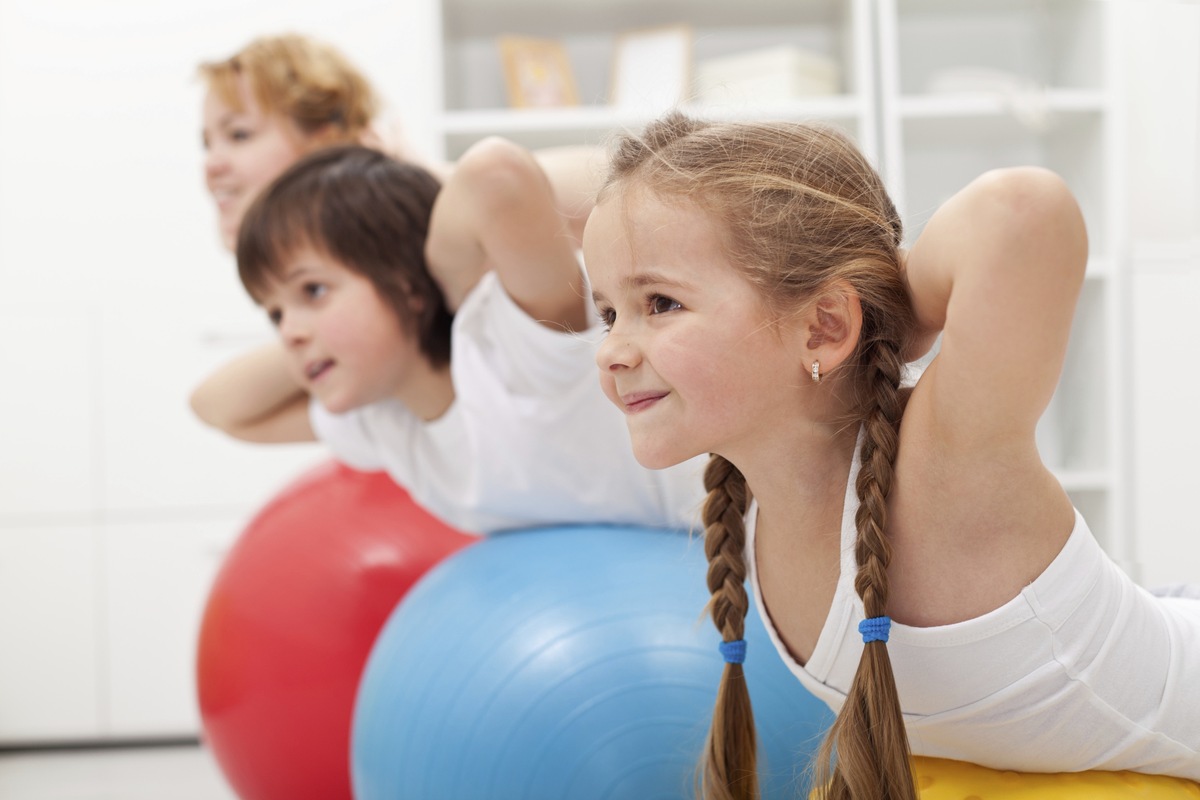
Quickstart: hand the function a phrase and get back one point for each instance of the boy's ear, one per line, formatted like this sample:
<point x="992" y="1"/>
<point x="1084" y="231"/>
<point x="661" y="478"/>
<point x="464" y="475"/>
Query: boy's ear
<point x="325" y="136"/>
<point x="834" y="325"/>
<point x="414" y="301"/>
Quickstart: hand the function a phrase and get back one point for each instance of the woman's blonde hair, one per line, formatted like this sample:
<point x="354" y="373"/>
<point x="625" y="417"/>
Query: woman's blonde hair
<point x="803" y="213"/>
<point x="309" y="82"/>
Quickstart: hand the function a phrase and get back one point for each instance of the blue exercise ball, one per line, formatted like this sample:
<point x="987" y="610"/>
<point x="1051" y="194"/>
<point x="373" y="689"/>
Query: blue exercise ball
<point x="569" y="662"/>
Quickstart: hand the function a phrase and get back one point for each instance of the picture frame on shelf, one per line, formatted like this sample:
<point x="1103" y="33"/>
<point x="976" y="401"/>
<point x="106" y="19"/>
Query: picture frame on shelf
<point x="537" y="72"/>
<point x="652" y="68"/>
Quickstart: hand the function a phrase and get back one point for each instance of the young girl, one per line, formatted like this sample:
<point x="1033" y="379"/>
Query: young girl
<point x="490" y="419"/>
<point x="760" y="309"/>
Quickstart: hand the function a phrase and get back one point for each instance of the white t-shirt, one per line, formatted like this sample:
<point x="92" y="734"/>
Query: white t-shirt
<point x="529" y="440"/>
<point x="1083" y="670"/>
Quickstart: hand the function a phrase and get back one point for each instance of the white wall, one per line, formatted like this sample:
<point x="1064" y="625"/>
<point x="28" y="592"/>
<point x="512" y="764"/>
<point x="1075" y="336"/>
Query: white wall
<point x="116" y="299"/>
<point x="1164" y="209"/>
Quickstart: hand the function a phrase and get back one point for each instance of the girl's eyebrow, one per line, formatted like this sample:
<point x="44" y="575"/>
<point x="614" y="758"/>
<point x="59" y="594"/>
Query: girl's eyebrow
<point x="644" y="279"/>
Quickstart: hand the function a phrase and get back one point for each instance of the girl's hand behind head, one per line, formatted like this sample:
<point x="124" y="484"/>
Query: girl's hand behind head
<point x="924" y="335"/>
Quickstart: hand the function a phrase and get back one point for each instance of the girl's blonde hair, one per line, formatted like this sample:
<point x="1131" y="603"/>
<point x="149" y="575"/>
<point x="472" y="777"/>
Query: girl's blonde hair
<point x="803" y="214"/>
<point x="309" y="82"/>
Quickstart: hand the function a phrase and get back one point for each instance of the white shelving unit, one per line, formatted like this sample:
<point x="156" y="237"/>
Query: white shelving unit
<point x="475" y="102"/>
<point x="935" y="92"/>
<point x="968" y="87"/>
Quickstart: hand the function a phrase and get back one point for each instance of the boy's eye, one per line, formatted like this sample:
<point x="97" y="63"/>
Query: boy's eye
<point x="607" y="317"/>
<point x="240" y="134"/>
<point x="276" y="316"/>
<point x="314" y="291"/>
<point x="660" y="304"/>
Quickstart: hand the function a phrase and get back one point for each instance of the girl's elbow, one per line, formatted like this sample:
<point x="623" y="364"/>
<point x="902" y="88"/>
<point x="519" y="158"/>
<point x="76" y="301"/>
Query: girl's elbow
<point x="1037" y="206"/>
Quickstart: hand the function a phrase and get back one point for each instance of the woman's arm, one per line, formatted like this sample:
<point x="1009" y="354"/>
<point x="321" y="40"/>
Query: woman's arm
<point x="498" y="211"/>
<point x="998" y="270"/>
<point x="255" y="398"/>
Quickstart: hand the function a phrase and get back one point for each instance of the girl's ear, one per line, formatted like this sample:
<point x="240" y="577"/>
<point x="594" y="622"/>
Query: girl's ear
<point x="834" y="325"/>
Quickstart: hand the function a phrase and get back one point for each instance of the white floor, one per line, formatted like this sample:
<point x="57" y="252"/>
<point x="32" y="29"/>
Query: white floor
<point x="175" y="772"/>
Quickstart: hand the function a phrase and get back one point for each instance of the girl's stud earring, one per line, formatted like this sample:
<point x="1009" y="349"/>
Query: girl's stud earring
<point x="816" y="372"/>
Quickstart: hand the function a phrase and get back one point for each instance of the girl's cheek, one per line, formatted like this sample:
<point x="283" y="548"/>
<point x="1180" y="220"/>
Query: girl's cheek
<point x="609" y="387"/>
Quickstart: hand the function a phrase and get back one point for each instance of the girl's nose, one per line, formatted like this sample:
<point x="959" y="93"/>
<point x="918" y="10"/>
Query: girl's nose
<point x="616" y="352"/>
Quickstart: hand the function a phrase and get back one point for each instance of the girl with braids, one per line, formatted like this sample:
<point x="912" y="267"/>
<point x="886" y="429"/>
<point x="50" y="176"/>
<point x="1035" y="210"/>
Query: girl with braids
<point x="488" y="416"/>
<point x="918" y="567"/>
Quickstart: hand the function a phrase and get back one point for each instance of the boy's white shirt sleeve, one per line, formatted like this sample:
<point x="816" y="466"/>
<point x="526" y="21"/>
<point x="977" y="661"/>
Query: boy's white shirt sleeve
<point x="348" y="436"/>
<point x="492" y="333"/>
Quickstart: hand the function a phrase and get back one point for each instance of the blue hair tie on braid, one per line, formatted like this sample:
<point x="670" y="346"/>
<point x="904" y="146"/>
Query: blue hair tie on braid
<point x="734" y="652"/>
<point x="875" y="629"/>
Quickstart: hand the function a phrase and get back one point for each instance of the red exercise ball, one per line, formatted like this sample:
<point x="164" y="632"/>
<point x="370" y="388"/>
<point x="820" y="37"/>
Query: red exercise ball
<point x="290" y="621"/>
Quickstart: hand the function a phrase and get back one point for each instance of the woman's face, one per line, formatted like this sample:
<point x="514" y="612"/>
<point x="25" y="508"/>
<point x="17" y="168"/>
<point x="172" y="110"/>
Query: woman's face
<point x="245" y="150"/>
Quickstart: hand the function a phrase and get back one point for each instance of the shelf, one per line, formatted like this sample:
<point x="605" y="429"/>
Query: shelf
<point x="1099" y="269"/>
<point x="1084" y="480"/>
<point x="1052" y="101"/>
<point x="553" y="17"/>
<point x="536" y="128"/>
<point x="503" y="121"/>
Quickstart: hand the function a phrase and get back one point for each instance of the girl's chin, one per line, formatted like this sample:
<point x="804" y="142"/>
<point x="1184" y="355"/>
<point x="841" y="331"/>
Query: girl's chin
<point x="659" y="460"/>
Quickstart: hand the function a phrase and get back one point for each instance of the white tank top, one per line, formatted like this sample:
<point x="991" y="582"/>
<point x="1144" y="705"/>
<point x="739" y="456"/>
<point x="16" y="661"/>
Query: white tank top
<point x="1083" y="670"/>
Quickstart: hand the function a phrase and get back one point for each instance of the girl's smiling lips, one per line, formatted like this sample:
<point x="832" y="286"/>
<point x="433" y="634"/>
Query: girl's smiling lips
<point x="640" y="401"/>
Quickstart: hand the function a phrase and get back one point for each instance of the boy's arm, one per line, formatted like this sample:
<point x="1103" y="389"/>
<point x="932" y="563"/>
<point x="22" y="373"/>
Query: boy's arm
<point x="576" y="173"/>
<point x="498" y="211"/>
<point x="255" y="398"/>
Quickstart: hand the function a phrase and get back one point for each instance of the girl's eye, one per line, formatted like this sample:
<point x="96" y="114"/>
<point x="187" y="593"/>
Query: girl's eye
<point x="607" y="317"/>
<point x="314" y="291"/>
<point x="276" y="316"/>
<point x="660" y="304"/>
<point x="240" y="134"/>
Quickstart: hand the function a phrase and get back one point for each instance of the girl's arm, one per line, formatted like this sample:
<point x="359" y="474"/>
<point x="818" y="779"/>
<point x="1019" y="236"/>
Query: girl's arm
<point x="255" y="398"/>
<point x="998" y="270"/>
<point x="498" y="211"/>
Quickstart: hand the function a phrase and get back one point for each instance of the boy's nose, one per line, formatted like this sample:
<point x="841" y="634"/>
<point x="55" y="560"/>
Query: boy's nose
<point x="293" y="330"/>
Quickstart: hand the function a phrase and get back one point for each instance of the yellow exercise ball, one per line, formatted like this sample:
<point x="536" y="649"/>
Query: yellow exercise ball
<point x="941" y="779"/>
